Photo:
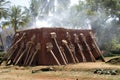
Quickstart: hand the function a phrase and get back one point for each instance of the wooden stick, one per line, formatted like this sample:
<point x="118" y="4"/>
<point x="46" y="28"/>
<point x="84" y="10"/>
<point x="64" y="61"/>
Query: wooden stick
<point x="26" y="49"/>
<point x="12" y="47"/>
<point x="71" y="46"/>
<point x="76" y="40"/>
<point x="96" y="47"/>
<point x="31" y="43"/>
<point x="12" y="52"/>
<point x="82" y="54"/>
<point x="62" y="50"/>
<point x="32" y="51"/>
<point x="49" y="47"/>
<point x="66" y="44"/>
<point x="18" y="54"/>
<point x="22" y="37"/>
<point x="53" y="35"/>
<point x="87" y="46"/>
<point x="27" y="53"/>
<point x="38" y="47"/>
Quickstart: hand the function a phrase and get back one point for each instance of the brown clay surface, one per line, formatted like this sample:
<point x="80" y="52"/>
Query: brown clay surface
<point x="43" y="57"/>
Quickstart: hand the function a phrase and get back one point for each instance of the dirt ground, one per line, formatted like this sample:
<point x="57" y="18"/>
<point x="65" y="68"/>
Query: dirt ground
<point x="80" y="71"/>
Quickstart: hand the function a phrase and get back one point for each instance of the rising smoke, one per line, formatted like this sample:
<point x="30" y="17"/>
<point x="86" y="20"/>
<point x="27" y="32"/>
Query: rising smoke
<point x="66" y="17"/>
<point x="75" y="17"/>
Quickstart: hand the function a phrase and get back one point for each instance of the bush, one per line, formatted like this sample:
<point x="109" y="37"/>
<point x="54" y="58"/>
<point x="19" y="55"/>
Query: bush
<point x="112" y="46"/>
<point x="2" y="55"/>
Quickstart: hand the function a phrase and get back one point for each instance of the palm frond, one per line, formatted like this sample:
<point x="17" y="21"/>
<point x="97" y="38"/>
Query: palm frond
<point x="3" y="8"/>
<point x="17" y="17"/>
<point x="5" y="24"/>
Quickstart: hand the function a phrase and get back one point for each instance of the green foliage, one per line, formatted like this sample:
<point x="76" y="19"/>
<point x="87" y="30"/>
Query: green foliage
<point x="90" y="13"/>
<point x="113" y="46"/>
<point x="35" y="7"/>
<point x="111" y="7"/>
<point x="2" y="55"/>
<point x="118" y="70"/>
<point x="44" y="7"/>
<point x="3" y="8"/>
<point x="17" y="17"/>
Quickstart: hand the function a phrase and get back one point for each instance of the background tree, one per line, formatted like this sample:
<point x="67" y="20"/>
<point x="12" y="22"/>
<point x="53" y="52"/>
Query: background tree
<point x="17" y="17"/>
<point x="42" y="10"/>
<point x="34" y="8"/>
<point x="3" y="14"/>
<point x="3" y="8"/>
<point x="106" y="23"/>
<point x="44" y="7"/>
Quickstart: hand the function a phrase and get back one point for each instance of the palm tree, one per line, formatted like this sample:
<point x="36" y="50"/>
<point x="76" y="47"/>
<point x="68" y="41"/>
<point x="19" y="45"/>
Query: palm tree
<point x="17" y="17"/>
<point x="3" y="8"/>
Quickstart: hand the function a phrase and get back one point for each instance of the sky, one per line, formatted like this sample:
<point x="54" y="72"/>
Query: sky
<point x="27" y="2"/>
<point x="20" y="2"/>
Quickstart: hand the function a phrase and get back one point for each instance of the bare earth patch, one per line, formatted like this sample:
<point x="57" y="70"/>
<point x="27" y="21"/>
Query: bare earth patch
<point x="80" y="71"/>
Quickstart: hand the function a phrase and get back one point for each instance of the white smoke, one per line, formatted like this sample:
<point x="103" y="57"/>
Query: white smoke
<point x="66" y="18"/>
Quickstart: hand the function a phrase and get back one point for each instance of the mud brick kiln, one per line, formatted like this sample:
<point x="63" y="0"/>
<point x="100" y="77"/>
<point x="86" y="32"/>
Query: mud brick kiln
<point x="52" y="46"/>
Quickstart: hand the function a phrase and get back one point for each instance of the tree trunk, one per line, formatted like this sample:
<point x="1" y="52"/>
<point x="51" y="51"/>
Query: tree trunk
<point x="1" y="42"/>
